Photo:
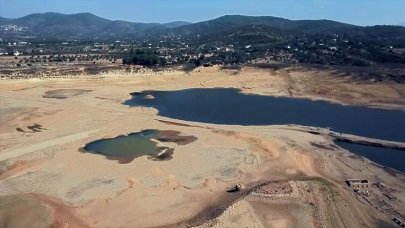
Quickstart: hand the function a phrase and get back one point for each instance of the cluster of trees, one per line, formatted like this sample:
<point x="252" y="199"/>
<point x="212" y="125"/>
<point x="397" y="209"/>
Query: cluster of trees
<point x="143" y="57"/>
<point x="66" y="58"/>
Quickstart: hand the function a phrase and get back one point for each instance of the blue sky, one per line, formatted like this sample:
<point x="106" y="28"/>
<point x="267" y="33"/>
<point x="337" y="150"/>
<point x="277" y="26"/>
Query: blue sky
<point x="361" y="12"/>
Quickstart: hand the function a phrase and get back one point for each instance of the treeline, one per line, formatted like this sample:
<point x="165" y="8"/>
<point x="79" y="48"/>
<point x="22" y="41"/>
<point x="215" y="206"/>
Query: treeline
<point x="143" y="57"/>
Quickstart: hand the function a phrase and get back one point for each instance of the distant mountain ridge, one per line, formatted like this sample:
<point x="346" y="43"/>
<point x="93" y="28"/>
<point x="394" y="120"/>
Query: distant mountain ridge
<point x="232" y="21"/>
<point x="81" y="25"/>
<point x="175" y="24"/>
<point x="89" y="26"/>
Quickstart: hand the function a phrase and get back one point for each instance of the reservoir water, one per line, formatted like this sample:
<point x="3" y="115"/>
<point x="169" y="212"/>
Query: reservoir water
<point x="386" y="157"/>
<point x="229" y="106"/>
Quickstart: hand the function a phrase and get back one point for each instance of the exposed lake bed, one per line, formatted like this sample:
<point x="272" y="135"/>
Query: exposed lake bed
<point x="185" y="189"/>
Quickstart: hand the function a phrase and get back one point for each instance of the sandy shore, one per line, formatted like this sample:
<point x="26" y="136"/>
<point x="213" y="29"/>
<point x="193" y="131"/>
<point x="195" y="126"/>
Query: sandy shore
<point x="46" y="169"/>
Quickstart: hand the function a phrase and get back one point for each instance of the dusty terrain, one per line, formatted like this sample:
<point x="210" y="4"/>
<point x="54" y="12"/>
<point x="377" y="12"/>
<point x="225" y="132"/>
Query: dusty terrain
<point x="291" y="178"/>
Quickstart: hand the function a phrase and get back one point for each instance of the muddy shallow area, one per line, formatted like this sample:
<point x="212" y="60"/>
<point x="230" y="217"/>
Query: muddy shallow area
<point x="64" y="93"/>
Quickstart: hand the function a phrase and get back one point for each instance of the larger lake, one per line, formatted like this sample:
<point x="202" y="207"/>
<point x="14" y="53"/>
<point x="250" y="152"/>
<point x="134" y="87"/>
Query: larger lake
<point x="229" y="106"/>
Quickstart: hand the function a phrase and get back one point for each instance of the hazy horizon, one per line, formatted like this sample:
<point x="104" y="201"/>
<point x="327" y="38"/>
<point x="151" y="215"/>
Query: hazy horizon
<point x="360" y="12"/>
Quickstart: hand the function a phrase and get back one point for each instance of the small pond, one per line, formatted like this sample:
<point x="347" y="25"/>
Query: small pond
<point x="125" y="148"/>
